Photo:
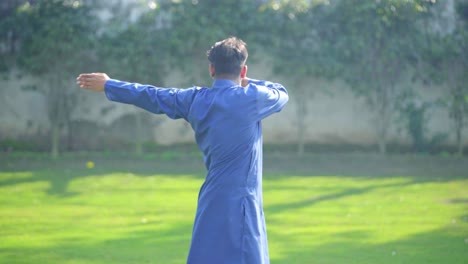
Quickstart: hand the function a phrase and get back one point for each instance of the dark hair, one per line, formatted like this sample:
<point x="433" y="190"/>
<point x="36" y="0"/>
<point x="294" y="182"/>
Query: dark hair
<point x="228" y="56"/>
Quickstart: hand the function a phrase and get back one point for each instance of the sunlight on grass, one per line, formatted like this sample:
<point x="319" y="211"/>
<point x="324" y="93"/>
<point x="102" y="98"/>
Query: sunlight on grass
<point x="100" y="217"/>
<point x="363" y="217"/>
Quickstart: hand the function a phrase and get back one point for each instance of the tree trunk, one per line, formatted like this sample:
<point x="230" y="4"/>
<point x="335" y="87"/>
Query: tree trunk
<point x="68" y="103"/>
<point x="54" y="98"/>
<point x="382" y="120"/>
<point x="382" y="146"/>
<point x="55" y="140"/>
<point x="381" y="131"/>
<point x="459" y="132"/>
<point x="301" y="114"/>
<point x="138" y="130"/>
<point x="459" y="144"/>
<point x="300" y="135"/>
<point x="458" y="110"/>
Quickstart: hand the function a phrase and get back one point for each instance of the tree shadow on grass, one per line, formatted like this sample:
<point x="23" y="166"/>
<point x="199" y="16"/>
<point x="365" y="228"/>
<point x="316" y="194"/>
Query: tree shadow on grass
<point x="152" y="245"/>
<point x="170" y="246"/>
<point x="58" y="181"/>
<point x="60" y="173"/>
<point x="430" y="168"/>
<point x="278" y="208"/>
<point x="444" y="245"/>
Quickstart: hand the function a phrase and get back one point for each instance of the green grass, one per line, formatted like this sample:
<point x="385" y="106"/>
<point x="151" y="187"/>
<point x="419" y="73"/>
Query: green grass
<point x="319" y="209"/>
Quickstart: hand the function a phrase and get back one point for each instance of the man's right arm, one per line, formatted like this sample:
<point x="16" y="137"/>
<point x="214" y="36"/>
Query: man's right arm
<point x="173" y="102"/>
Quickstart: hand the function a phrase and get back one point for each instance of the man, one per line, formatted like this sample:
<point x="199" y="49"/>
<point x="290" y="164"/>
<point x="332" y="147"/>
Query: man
<point x="226" y="118"/>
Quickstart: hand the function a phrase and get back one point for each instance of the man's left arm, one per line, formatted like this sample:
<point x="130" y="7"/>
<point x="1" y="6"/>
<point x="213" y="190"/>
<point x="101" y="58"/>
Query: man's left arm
<point x="271" y="97"/>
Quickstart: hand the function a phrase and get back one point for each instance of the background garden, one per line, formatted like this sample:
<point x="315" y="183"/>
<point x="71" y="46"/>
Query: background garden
<point x="404" y="61"/>
<point x="72" y="192"/>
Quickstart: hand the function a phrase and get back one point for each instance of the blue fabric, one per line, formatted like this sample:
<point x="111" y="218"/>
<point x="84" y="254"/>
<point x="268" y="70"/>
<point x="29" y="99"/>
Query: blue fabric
<point x="226" y="118"/>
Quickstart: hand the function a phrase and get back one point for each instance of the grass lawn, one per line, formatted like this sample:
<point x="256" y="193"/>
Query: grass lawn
<point x="319" y="209"/>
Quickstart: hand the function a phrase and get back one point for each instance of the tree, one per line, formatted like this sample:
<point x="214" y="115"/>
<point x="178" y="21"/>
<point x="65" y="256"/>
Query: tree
<point x="166" y="36"/>
<point x="447" y="64"/>
<point x="9" y="37"/>
<point x="304" y="49"/>
<point x="135" y="50"/>
<point x="456" y="73"/>
<point x="9" y="33"/>
<point x="194" y="25"/>
<point x="454" y="66"/>
<point x="377" y="45"/>
<point x="54" y="44"/>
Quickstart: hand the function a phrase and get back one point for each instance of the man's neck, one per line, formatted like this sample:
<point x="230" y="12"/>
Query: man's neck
<point x="228" y="77"/>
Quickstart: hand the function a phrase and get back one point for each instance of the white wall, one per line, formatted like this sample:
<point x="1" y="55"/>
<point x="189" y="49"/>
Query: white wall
<point x="335" y="116"/>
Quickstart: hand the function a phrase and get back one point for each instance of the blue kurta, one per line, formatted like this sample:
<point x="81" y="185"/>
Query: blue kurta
<point x="226" y="118"/>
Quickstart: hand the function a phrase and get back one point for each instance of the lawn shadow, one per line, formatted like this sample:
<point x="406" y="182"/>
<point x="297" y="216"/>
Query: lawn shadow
<point x="170" y="246"/>
<point x="151" y="245"/>
<point x="417" y="167"/>
<point x="59" y="173"/>
<point x="443" y="245"/>
<point x="278" y="208"/>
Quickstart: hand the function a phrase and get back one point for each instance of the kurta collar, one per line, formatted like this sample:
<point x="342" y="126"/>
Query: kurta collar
<point x="223" y="83"/>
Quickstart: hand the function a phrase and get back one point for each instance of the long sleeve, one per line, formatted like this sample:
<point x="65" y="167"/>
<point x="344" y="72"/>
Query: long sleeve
<point x="271" y="97"/>
<point x="175" y="103"/>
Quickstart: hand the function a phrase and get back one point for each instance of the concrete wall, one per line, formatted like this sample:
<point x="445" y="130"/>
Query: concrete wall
<point x="335" y="115"/>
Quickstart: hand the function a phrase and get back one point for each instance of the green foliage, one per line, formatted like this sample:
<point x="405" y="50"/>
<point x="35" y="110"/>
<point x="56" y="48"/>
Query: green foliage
<point x="56" y="36"/>
<point x="378" y="45"/>
<point x="414" y="116"/>
<point x="302" y="39"/>
<point x="10" y="29"/>
<point x="134" y="50"/>
<point x="378" y="42"/>
<point x="54" y="40"/>
<point x="22" y="145"/>
<point x="193" y="26"/>
<point x="302" y="46"/>
<point x="446" y="64"/>
<point x="417" y="119"/>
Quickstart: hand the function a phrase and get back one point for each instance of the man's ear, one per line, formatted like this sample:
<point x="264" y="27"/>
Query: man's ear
<point x="212" y="70"/>
<point x="243" y="72"/>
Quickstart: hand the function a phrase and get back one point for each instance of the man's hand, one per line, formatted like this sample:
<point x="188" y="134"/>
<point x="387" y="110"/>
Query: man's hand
<point x="92" y="81"/>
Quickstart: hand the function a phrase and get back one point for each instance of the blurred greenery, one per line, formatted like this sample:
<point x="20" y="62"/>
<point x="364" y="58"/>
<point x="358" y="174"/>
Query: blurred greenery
<point x="414" y="118"/>
<point x="381" y="49"/>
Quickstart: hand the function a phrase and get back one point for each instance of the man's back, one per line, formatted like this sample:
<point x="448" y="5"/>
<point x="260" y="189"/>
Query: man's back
<point x="229" y="221"/>
<point x="229" y="224"/>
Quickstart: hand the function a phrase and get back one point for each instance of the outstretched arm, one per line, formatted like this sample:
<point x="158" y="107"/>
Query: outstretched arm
<point x="175" y="103"/>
